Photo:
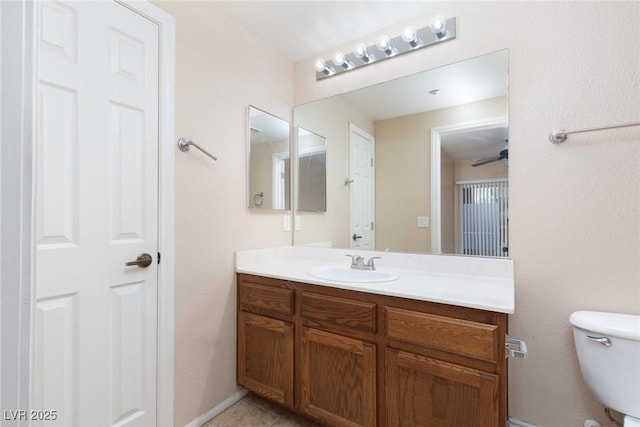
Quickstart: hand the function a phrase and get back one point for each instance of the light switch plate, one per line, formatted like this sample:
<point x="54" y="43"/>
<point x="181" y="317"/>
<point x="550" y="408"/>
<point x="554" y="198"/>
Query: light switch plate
<point x="423" y="222"/>
<point x="286" y="223"/>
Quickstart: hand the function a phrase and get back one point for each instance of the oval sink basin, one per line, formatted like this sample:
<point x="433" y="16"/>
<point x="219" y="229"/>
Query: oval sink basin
<point x="348" y="274"/>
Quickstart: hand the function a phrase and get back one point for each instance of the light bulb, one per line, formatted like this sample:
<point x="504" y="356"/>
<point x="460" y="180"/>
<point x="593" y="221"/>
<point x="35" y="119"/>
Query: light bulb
<point x="438" y="26"/>
<point x="340" y="60"/>
<point x="410" y="35"/>
<point x="319" y="65"/>
<point x="384" y="45"/>
<point x="360" y="51"/>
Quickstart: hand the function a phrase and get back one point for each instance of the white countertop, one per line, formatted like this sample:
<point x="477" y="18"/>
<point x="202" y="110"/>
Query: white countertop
<point x="483" y="283"/>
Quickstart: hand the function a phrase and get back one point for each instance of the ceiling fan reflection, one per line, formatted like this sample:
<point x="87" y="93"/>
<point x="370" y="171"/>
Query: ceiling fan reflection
<point x="504" y="154"/>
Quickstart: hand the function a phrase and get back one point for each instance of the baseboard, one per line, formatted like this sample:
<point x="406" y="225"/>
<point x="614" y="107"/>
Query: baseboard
<point x="203" y="419"/>
<point x="514" y="422"/>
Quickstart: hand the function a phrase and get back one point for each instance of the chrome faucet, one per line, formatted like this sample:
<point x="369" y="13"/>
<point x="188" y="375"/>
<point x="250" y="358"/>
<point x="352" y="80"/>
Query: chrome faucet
<point x="357" y="262"/>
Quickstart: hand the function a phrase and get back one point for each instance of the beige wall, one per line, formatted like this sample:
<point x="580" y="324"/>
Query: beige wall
<point x="575" y="208"/>
<point x="215" y="83"/>
<point x="448" y="214"/>
<point x="403" y="171"/>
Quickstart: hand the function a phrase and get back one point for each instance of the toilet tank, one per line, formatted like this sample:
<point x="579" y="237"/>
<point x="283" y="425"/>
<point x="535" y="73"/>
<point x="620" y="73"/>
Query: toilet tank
<point x="608" y="348"/>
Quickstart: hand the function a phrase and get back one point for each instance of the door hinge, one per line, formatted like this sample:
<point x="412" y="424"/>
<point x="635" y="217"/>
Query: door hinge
<point x="371" y="225"/>
<point x="158" y="257"/>
<point x="372" y="162"/>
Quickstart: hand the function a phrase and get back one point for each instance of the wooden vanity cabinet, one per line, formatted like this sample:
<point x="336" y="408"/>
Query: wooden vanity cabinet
<point x="349" y="358"/>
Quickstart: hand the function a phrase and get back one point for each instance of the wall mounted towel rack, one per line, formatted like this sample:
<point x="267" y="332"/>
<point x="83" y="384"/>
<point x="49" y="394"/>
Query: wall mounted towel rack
<point x="184" y="144"/>
<point x="559" y="135"/>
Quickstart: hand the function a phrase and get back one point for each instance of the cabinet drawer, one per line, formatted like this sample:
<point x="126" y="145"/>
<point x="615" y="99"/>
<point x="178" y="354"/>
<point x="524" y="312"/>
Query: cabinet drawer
<point x="338" y="314"/>
<point x="464" y="337"/>
<point x="265" y="299"/>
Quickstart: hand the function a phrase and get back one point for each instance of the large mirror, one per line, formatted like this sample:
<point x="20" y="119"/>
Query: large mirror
<point x="269" y="169"/>
<point x="418" y="164"/>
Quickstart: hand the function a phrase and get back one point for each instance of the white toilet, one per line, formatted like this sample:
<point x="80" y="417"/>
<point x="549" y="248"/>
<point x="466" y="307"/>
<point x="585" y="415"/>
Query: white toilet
<point x="608" y="347"/>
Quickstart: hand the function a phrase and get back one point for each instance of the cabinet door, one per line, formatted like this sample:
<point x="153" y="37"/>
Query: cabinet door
<point x="428" y="392"/>
<point x="265" y="357"/>
<point x="338" y="379"/>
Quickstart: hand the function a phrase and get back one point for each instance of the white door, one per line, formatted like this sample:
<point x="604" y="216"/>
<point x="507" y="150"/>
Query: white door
<point x="361" y="192"/>
<point x="96" y="319"/>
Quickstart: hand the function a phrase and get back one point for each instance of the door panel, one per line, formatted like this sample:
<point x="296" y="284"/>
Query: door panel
<point x="265" y="362"/>
<point x="338" y="379"/>
<point x="128" y="181"/>
<point x="361" y="189"/>
<point x="58" y="149"/>
<point x="56" y="342"/>
<point x="426" y="392"/>
<point x="96" y="320"/>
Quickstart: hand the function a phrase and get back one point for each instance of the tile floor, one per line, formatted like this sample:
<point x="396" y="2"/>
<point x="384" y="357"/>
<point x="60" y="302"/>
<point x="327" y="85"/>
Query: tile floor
<point x="252" y="411"/>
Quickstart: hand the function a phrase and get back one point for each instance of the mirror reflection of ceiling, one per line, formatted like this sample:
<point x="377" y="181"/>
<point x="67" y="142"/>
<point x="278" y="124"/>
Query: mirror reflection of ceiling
<point x="300" y="29"/>
<point x="469" y="81"/>
<point x="265" y="129"/>
<point x="475" y="144"/>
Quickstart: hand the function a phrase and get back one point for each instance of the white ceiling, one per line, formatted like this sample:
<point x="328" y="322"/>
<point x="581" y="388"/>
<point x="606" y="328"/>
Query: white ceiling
<point x="301" y="29"/>
<point x="475" y="144"/>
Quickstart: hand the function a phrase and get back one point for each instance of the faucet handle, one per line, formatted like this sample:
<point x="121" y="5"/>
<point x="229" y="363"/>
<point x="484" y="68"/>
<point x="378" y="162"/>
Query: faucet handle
<point x="370" y="263"/>
<point x="354" y="258"/>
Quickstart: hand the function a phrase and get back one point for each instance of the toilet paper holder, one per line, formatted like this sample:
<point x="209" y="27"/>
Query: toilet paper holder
<point x="516" y="348"/>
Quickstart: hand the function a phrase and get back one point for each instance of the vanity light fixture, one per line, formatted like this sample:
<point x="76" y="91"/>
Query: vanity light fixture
<point x="440" y="29"/>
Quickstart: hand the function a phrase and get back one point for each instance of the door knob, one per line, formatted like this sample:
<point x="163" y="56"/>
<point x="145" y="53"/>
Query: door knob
<point x="143" y="261"/>
<point x="356" y="237"/>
